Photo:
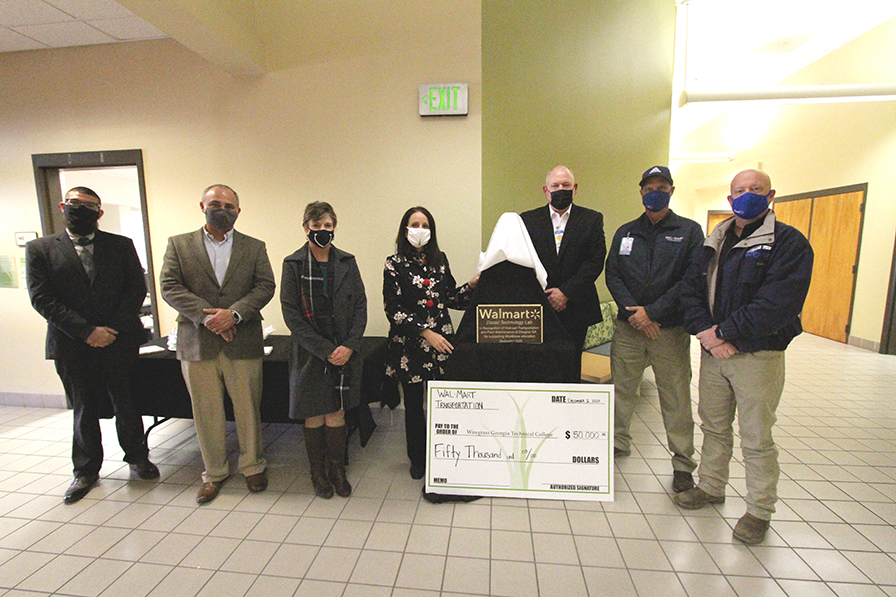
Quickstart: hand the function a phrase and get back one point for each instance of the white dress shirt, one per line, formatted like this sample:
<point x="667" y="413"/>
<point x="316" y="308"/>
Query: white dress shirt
<point x="559" y="221"/>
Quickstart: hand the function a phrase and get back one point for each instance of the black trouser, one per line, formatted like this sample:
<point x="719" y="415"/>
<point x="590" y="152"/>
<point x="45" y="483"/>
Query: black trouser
<point x="88" y="376"/>
<point x="415" y="421"/>
<point x="578" y="333"/>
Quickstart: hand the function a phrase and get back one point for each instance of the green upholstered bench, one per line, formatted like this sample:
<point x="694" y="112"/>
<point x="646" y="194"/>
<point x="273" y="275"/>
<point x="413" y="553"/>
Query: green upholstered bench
<point x="596" y="352"/>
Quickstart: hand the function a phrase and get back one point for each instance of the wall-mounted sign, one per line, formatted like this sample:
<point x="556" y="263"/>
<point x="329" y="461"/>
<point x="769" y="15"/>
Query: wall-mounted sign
<point x="22" y="238"/>
<point x="443" y="99"/>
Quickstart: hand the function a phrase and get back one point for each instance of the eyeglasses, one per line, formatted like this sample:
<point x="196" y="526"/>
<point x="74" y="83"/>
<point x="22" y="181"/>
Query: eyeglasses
<point x="88" y="204"/>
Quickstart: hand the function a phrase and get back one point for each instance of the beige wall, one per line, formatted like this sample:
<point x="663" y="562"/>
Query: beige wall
<point x="344" y="131"/>
<point x="808" y="147"/>
<point x="583" y="83"/>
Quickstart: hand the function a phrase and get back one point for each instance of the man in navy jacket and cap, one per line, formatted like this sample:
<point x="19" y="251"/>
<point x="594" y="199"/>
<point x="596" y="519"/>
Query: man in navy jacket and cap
<point x="646" y="267"/>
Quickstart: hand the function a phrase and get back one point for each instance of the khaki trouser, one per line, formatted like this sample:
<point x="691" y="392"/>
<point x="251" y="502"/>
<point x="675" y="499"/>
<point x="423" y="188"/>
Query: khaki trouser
<point x="670" y="357"/>
<point x="750" y="384"/>
<point x="206" y="382"/>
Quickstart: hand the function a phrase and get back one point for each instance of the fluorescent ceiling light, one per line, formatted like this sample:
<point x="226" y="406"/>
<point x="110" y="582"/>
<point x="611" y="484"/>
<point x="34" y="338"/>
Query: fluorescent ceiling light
<point x="804" y="94"/>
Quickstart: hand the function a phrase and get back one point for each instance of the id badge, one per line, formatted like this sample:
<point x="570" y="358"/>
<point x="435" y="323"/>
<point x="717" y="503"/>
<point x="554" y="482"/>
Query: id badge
<point x="625" y="247"/>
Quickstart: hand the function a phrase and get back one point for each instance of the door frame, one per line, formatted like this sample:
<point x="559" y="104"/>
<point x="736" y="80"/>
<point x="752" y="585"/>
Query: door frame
<point x="888" y="334"/>
<point x="716" y="212"/>
<point x="49" y="192"/>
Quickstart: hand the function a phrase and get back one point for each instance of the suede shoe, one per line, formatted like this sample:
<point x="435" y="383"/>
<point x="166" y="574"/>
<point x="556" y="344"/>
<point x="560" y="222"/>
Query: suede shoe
<point x="145" y="470"/>
<point x="751" y="529"/>
<point x="620" y="453"/>
<point x="257" y="483"/>
<point x="79" y="488"/>
<point x="208" y="492"/>
<point x="696" y="498"/>
<point x="682" y="481"/>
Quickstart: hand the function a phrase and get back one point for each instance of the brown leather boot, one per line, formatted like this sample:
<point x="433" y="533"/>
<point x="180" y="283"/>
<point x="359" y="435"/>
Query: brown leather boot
<point x="336" y="460"/>
<point x="316" y="445"/>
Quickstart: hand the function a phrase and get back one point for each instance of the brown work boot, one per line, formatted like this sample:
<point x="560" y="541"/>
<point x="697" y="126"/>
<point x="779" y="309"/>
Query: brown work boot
<point x="336" y="460"/>
<point x="316" y="445"/>
<point x="751" y="529"/>
<point x="696" y="498"/>
<point x="682" y="481"/>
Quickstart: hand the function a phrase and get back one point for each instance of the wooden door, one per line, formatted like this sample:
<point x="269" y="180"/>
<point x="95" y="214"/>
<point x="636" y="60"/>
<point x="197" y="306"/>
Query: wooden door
<point x="796" y="213"/>
<point x="834" y="235"/>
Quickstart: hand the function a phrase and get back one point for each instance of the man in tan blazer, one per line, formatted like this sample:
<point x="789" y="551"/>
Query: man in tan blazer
<point x="218" y="280"/>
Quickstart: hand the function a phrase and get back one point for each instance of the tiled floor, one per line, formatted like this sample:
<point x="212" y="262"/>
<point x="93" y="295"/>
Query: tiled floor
<point x="833" y="534"/>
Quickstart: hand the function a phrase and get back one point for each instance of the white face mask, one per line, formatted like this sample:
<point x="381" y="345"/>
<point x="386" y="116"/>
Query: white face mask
<point x="418" y="237"/>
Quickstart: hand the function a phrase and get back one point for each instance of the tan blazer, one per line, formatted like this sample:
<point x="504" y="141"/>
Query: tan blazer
<point x="189" y="285"/>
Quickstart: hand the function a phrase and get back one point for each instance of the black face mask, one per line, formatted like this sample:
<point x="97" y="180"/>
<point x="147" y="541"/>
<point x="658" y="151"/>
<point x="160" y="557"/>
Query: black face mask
<point x="321" y="237"/>
<point x="561" y="199"/>
<point x="81" y="220"/>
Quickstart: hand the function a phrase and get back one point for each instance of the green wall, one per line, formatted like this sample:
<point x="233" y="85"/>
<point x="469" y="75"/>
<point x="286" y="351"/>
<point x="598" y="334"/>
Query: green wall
<point x="584" y="83"/>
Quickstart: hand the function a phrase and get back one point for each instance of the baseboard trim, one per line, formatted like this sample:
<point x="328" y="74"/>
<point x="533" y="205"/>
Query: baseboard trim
<point x="32" y="400"/>
<point x="863" y="343"/>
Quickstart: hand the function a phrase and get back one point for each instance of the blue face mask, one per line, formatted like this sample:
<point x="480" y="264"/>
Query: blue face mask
<point x="749" y="205"/>
<point x="656" y="200"/>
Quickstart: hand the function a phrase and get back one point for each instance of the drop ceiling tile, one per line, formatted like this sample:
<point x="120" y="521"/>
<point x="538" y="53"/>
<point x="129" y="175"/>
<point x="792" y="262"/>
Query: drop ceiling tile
<point x="10" y="41"/>
<point x="14" y="13"/>
<point x="90" y="10"/>
<point x="60" y="35"/>
<point x="128" y="29"/>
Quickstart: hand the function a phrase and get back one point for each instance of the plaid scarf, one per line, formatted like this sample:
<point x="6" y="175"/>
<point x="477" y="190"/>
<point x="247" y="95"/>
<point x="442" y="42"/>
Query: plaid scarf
<point x="317" y="309"/>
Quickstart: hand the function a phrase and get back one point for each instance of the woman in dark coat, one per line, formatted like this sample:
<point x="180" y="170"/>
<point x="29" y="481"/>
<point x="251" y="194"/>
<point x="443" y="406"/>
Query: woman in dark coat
<point x="325" y="308"/>
<point x="418" y="290"/>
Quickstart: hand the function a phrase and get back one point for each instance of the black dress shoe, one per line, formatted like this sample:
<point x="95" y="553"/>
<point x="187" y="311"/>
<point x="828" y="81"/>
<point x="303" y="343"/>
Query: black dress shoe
<point x="145" y="470"/>
<point x="80" y="488"/>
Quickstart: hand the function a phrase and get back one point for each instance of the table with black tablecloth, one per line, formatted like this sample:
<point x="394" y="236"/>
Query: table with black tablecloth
<point x="160" y="391"/>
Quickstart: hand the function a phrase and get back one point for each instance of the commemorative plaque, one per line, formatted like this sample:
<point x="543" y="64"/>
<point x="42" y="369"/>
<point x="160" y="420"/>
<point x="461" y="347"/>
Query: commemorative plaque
<point x="509" y="323"/>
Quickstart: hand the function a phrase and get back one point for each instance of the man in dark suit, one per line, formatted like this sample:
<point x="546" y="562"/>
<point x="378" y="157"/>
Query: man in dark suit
<point x="569" y="240"/>
<point x="218" y="280"/>
<point x="89" y="286"/>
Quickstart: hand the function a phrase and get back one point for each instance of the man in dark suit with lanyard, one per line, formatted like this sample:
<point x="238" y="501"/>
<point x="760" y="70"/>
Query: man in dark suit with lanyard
<point x="569" y="240"/>
<point x="89" y="286"/>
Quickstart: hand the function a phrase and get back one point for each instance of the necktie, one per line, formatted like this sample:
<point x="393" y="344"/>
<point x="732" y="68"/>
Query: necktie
<point x="86" y="256"/>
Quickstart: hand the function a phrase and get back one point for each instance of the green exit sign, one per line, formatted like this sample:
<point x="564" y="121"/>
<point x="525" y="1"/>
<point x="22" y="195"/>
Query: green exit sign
<point x="443" y="99"/>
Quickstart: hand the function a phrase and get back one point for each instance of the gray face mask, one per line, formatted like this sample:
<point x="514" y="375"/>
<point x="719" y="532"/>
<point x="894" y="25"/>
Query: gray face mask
<point x="220" y="218"/>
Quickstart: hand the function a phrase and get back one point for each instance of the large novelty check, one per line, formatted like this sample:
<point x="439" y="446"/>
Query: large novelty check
<point x="527" y="440"/>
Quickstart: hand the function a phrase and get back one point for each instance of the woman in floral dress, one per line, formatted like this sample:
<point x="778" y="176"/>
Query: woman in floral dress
<point x="418" y="290"/>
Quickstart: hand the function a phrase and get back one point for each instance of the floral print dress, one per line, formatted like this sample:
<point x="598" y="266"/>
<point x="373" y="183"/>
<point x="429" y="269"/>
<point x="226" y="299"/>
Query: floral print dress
<point x="417" y="296"/>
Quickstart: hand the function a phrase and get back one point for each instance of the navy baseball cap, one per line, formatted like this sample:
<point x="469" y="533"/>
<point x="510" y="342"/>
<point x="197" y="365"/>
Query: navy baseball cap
<point x="660" y="171"/>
